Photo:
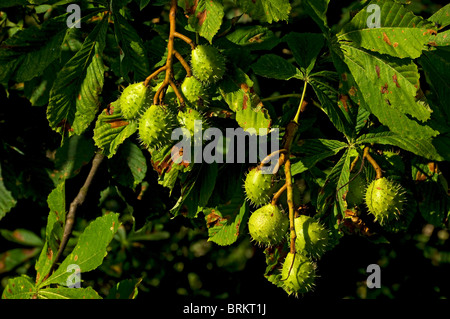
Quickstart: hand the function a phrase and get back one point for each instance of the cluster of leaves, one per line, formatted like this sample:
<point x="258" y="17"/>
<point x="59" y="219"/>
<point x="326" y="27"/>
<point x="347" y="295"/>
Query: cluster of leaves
<point x="384" y="87"/>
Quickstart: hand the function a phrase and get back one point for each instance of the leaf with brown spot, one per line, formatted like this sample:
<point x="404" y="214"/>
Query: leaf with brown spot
<point x="20" y="287"/>
<point x="225" y="221"/>
<point x="12" y="258"/>
<point x="88" y="257"/>
<point x="386" y="38"/>
<point x="205" y="16"/>
<point x="402" y="34"/>
<point x="201" y="16"/>
<point x="68" y="293"/>
<point x="72" y="108"/>
<point x="111" y="129"/>
<point x="403" y="101"/>
<point x="394" y="78"/>
<point x="236" y="89"/>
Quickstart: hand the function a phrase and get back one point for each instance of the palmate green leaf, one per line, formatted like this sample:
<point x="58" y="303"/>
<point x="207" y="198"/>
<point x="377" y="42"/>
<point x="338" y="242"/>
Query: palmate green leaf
<point x="7" y="201"/>
<point x="68" y="293"/>
<point x="390" y="85"/>
<point x="12" y="258"/>
<point x="111" y="129"/>
<point x="133" y="56"/>
<point x="22" y="236"/>
<point x="275" y="67"/>
<point x="266" y="10"/>
<point x="395" y="80"/>
<point x="442" y="16"/>
<point x="225" y="222"/>
<point x="75" y="96"/>
<point x="207" y="181"/>
<point x="317" y="10"/>
<point x="348" y="88"/>
<point x="56" y="201"/>
<point x="188" y="184"/>
<point x="37" y="90"/>
<point x="434" y="204"/>
<point x="89" y="251"/>
<point x="442" y="39"/>
<point x="305" y="47"/>
<point x="168" y="168"/>
<point x="341" y="117"/>
<point x="436" y="66"/>
<point x="237" y="91"/>
<point x="29" y="52"/>
<point x="401" y="34"/>
<point x="420" y="147"/>
<point x="311" y="151"/>
<point x="336" y="186"/>
<point x="19" y="288"/>
<point x="129" y="166"/>
<point x="205" y="16"/>
<point x="70" y="158"/>
<point x="274" y="258"/>
<point x="255" y="37"/>
<point x="229" y="178"/>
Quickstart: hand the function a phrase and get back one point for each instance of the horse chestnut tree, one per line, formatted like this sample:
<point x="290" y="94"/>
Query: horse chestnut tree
<point x="313" y="127"/>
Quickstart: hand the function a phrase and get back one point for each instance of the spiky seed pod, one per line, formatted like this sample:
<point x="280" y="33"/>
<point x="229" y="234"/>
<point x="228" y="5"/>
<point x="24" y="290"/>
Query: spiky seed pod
<point x="156" y="125"/>
<point x="356" y="189"/>
<point x="134" y="100"/>
<point x="384" y="199"/>
<point x="312" y="237"/>
<point x="208" y="64"/>
<point x="298" y="274"/>
<point x="188" y="117"/>
<point x="259" y="187"/>
<point x="268" y="225"/>
<point x="192" y="89"/>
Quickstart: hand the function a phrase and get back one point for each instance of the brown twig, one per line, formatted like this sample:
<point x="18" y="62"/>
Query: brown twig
<point x="185" y="39"/>
<point x="353" y="164"/>
<point x="171" y="52"/>
<point x="154" y="74"/>
<point x="269" y="157"/>
<point x="77" y="202"/>
<point x="374" y="164"/>
<point x="278" y="194"/>
<point x="159" y="95"/>
<point x="291" y="130"/>
<point x="177" y="92"/>
<point x="183" y="63"/>
<point x="290" y="202"/>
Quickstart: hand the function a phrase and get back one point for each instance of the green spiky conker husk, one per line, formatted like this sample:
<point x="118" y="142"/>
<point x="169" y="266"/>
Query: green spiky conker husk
<point x="384" y="199"/>
<point x="259" y="187"/>
<point x="187" y="119"/>
<point x="192" y="89"/>
<point x="134" y="99"/>
<point x="312" y="237"/>
<point x="156" y="125"/>
<point x="208" y="64"/>
<point x="298" y="274"/>
<point x="356" y="191"/>
<point x="268" y="225"/>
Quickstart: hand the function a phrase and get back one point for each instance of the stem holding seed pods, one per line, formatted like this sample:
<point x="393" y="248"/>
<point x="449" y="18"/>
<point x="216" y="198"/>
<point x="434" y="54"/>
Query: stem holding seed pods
<point x="168" y="67"/>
